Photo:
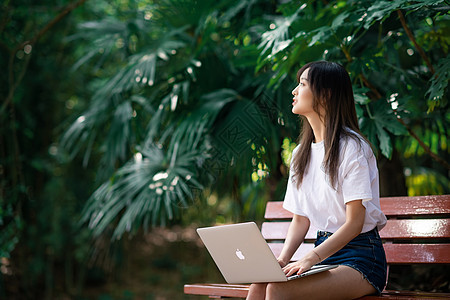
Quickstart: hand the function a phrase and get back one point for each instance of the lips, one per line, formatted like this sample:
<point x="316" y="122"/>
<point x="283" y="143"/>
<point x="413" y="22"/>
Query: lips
<point x="294" y="101"/>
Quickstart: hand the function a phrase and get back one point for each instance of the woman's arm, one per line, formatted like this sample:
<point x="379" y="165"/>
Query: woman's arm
<point x="295" y="236"/>
<point x="355" y="214"/>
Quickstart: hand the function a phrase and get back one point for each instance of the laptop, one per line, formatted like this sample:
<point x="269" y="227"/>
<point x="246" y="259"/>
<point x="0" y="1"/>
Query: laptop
<point x="243" y="256"/>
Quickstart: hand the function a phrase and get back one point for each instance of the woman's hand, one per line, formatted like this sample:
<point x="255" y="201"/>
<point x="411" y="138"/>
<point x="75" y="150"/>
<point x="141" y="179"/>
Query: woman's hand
<point x="282" y="262"/>
<point x="301" y="265"/>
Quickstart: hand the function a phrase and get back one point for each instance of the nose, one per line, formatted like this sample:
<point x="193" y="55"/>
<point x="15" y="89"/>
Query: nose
<point x="294" y="91"/>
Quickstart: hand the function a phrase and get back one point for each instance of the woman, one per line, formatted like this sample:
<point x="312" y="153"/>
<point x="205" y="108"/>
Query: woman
<point x="333" y="185"/>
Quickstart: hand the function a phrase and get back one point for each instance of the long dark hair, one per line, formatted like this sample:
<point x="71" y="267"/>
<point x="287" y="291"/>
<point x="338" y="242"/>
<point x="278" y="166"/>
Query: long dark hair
<point x="332" y="90"/>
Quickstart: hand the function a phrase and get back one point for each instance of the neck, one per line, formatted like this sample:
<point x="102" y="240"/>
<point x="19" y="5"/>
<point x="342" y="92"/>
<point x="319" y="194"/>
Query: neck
<point x="318" y="128"/>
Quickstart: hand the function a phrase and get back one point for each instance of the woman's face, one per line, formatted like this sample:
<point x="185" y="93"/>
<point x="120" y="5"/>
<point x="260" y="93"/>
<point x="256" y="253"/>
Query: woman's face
<point x="303" y="97"/>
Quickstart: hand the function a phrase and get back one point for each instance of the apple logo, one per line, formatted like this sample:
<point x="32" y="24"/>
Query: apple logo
<point x="239" y="254"/>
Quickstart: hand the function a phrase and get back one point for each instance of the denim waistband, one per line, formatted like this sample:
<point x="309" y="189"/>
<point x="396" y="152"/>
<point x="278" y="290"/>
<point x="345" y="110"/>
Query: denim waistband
<point x="328" y="234"/>
<point x="323" y="233"/>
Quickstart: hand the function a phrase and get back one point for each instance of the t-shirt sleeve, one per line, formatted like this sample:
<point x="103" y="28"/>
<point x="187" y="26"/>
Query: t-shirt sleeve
<point x="357" y="174"/>
<point x="291" y="198"/>
<point x="291" y="195"/>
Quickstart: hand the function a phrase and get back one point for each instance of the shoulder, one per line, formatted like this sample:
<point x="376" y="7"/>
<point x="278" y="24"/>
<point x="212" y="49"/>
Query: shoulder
<point x="295" y="149"/>
<point x="354" y="144"/>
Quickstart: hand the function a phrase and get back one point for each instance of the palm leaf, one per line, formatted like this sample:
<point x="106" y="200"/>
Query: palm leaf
<point x="148" y="189"/>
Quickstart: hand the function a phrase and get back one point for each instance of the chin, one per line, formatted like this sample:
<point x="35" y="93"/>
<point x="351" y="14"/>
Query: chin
<point x="295" y="111"/>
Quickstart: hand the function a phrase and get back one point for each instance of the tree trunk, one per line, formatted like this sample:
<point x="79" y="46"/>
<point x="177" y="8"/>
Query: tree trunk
<point x="392" y="178"/>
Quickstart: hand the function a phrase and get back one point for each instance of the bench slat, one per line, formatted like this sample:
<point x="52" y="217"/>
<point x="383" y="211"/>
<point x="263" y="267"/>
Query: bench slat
<point x="416" y="229"/>
<point x="275" y="211"/>
<point x="278" y="231"/>
<point x="417" y="253"/>
<point x="419" y="205"/>
<point x="218" y="290"/>
<point x="394" y="229"/>
<point x="389" y="294"/>
<point x="301" y="251"/>
<point x="395" y="253"/>
<point x="241" y="291"/>
<point x="391" y="206"/>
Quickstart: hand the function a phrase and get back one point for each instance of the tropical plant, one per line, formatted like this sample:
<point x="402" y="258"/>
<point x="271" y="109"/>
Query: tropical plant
<point x="170" y="118"/>
<point x="39" y="204"/>
<point x="174" y="104"/>
<point x="194" y="94"/>
<point x="395" y="52"/>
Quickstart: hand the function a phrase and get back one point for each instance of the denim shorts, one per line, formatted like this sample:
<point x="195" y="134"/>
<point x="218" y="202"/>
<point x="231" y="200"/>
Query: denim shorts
<point x="365" y="253"/>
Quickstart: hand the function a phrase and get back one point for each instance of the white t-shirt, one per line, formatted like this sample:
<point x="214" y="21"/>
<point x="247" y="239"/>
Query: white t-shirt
<point x="357" y="179"/>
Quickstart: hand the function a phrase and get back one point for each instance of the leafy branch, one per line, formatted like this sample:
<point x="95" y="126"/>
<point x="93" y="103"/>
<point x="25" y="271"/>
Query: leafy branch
<point x="424" y="146"/>
<point x="377" y="95"/>
<point x="10" y="142"/>
<point x="400" y="120"/>
<point x="363" y="78"/>
<point x="13" y="84"/>
<point x="413" y="40"/>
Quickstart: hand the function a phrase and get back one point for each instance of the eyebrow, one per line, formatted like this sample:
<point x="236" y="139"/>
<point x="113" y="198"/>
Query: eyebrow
<point x="303" y="78"/>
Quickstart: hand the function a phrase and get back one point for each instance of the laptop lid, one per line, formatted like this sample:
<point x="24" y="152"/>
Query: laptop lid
<point x="241" y="253"/>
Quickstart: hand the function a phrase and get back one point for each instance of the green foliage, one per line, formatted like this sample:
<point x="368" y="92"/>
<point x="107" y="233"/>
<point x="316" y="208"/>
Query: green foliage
<point x="368" y="39"/>
<point x="381" y="121"/>
<point x="150" y="188"/>
<point x="40" y="201"/>
<point x="10" y="225"/>
<point x="153" y="108"/>
<point x="164" y="105"/>
<point x="439" y="85"/>
<point x="176" y="74"/>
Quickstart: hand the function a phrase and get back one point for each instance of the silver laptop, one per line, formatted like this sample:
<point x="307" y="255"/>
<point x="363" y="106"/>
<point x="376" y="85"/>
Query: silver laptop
<point x="243" y="256"/>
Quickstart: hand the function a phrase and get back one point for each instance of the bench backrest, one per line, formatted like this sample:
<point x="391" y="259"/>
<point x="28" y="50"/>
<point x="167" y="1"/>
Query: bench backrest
<point x="417" y="230"/>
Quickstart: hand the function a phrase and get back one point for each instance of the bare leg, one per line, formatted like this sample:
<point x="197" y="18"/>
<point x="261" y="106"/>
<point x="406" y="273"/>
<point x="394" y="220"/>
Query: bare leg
<point x="257" y="291"/>
<point x="343" y="282"/>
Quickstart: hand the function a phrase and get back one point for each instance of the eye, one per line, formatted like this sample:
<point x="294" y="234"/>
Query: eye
<point x="301" y="84"/>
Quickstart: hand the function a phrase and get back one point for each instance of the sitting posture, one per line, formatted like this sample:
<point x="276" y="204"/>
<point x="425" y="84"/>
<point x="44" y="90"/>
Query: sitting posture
<point x="333" y="185"/>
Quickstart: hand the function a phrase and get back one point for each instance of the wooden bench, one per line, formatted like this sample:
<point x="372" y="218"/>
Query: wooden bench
<point x="417" y="232"/>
